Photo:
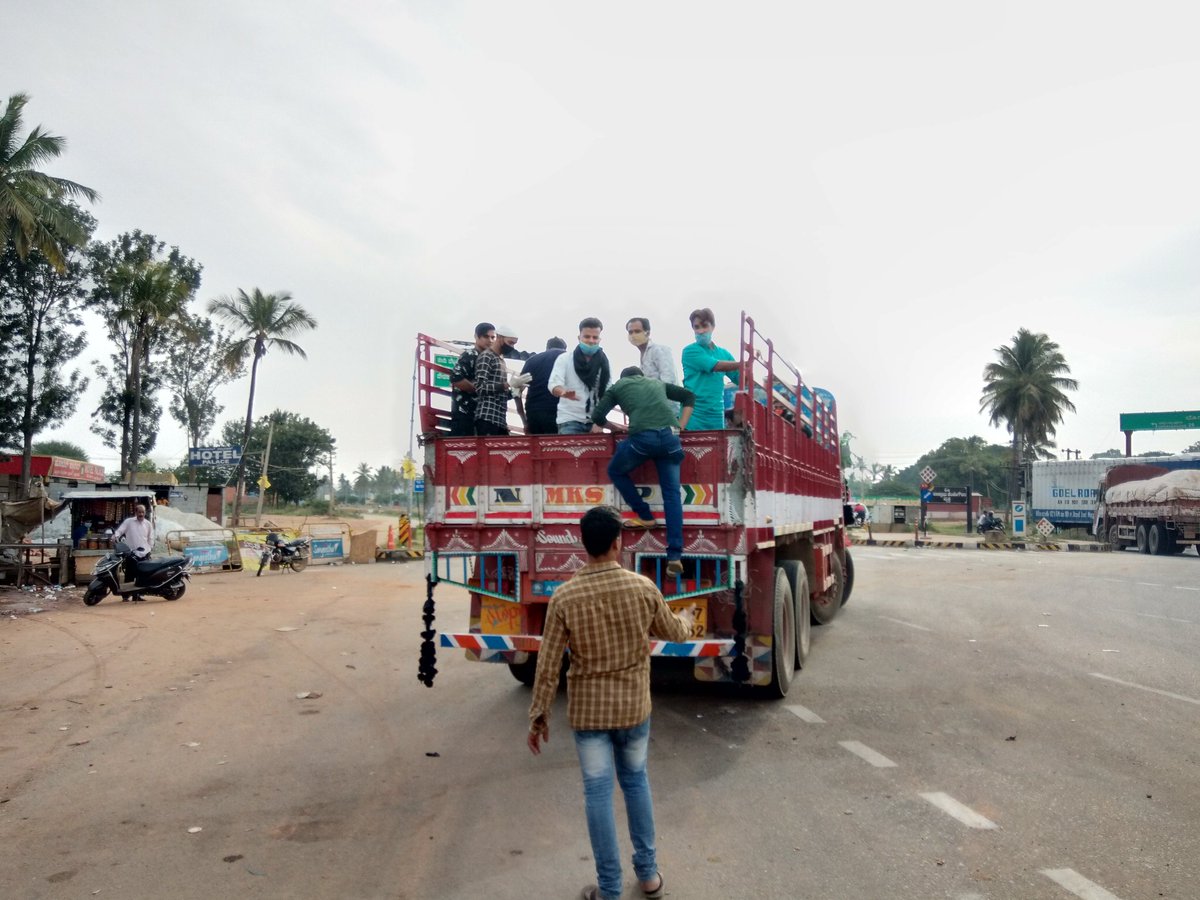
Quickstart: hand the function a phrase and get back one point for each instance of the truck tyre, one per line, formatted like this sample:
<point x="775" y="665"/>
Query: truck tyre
<point x="1143" y="540"/>
<point x="783" y="638"/>
<point x="826" y="605"/>
<point x="1156" y="539"/>
<point x="849" y="579"/>
<point x="1114" y="538"/>
<point x="798" y="582"/>
<point x="524" y="672"/>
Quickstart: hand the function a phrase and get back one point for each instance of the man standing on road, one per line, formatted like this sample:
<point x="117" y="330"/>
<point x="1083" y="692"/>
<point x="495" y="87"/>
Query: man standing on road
<point x="705" y="367"/>
<point x="462" y="382"/>
<point x="579" y="380"/>
<point x="541" y="407"/>
<point x="137" y="531"/>
<point x="653" y="434"/>
<point x="604" y="615"/>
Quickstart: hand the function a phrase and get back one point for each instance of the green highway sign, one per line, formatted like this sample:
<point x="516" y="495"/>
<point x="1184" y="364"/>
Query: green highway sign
<point x="1160" y="421"/>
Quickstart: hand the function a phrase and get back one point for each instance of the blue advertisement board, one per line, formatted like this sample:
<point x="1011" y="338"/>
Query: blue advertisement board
<point x="328" y="548"/>
<point x="206" y="554"/>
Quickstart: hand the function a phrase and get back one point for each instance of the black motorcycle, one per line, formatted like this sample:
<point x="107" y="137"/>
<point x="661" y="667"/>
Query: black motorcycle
<point x="130" y="575"/>
<point x="281" y="553"/>
<point x="988" y="522"/>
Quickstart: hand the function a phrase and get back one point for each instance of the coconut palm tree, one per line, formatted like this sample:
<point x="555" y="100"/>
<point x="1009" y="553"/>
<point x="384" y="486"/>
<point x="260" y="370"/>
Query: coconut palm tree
<point x="1026" y="390"/>
<point x="153" y="293"/>
<point x="33" y="212"/>
<point x="264" y="321"/>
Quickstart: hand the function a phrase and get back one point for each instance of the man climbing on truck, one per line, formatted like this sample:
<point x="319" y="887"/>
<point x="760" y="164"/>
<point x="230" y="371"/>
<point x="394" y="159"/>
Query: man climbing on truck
<point x="653" y="434"/>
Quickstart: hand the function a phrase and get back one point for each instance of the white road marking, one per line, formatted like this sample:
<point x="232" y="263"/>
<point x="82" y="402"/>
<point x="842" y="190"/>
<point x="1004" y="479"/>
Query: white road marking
<point x="1078" y="885"/>
<point x="952" y="807"/>
<point x="805" y="714"/>
<point x="909" y="624"/>
<point x="1149" y="584"/>
<point x="1142" y="687"/>
<point x="862" y="751"/>
<point x="1168" y="618"/>
<point x="1183" y="587"/>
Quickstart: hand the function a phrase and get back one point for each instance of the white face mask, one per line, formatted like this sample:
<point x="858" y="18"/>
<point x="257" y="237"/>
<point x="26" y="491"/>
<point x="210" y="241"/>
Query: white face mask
<point x="638" y="338"/>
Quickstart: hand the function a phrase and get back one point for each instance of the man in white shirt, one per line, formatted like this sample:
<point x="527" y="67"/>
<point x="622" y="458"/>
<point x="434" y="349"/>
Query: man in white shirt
<point x="579" y="379"/>
<point x="656" y="358"/>
<point x="137" y="531"/>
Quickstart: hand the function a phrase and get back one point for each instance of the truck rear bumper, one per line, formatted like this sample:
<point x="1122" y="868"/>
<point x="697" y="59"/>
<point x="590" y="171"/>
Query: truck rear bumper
<point x="481" y="643"/>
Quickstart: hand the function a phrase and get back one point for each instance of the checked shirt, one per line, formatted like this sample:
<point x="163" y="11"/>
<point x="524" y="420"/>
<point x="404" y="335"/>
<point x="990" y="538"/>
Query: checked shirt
<point x="604" y="614"/>
<point x="491" y="389"/>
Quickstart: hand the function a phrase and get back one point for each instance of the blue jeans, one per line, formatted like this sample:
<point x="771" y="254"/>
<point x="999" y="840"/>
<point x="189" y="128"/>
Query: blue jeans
<point x="574" y="427"/>
<point x="598" y="751"/>
<point x="661" y="445"/>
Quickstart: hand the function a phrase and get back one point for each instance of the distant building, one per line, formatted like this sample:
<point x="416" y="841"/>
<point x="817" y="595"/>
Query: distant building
<point x="60" y="473"/>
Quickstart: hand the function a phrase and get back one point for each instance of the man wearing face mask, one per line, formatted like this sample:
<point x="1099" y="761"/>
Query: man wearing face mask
<point x="705" y="368"/>
<point x="509" y="349"/>
<point x="656" y="358"/>
<point x="579" y="379"/>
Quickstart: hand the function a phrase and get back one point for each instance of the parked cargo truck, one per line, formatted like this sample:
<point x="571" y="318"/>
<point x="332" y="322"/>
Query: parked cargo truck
<point x="1149" y="507"/>
<point x="765" y="555"/>
<point x="1065" y="492"/>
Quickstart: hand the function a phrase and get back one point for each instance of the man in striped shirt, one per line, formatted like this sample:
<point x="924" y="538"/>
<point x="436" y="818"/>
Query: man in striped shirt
<point x="604" y="615"/>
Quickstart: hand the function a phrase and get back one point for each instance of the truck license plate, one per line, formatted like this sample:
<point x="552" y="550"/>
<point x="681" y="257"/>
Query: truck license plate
<point x="699" y="609"/>
<point x="499" y="616"/>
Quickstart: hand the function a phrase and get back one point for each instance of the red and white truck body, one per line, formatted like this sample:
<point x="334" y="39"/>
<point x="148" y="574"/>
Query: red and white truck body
<point x="765" y="550"/>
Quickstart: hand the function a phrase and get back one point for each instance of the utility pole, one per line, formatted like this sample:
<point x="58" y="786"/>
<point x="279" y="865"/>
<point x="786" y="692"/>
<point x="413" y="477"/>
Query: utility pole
<point x="332" y="488"/>
<point x="263" y="483"/>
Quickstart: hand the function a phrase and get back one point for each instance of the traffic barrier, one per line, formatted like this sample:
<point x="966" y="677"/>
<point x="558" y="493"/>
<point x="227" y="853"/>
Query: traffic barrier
<point x="209" y="549"/>
<point x="330" y="542"/>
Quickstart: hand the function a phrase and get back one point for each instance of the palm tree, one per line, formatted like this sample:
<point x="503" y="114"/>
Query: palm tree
<point x="1026" y="390"/>
<point x="33" y="213"/>
<point x="264" y="321"/>
<point x="153" y="294"/>
<point x="362" y="481"/>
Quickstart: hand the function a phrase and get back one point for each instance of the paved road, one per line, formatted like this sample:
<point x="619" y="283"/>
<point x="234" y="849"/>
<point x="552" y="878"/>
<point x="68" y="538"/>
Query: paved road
<point x="975" y="725"/>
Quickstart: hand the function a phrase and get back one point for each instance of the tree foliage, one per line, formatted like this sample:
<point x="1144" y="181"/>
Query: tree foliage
<point x="1025" y="390"/>
<point x="139" y="286"/>
<point x="298" y="446"/>
<point x="260" y="322"/>
<point x="65" y="449"/>
<point x="194" y="370"/>
<point x="960" y="462"/>
<point x="41" y="334"/>
<point x="35" y="213"/>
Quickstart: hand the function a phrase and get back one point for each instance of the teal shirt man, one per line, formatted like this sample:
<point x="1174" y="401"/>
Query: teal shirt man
<point x="702" y="378"/>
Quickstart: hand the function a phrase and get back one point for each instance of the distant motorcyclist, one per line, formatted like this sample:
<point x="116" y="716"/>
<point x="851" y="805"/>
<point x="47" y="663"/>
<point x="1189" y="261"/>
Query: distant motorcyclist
<point x="989" y="522"/>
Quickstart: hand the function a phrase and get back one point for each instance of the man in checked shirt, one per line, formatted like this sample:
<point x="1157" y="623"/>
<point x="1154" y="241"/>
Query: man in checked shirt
<point x="493" y="389"/>
<point x="604" y="615"/>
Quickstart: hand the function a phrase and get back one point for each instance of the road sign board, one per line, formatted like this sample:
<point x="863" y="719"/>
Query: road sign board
<point x="926" y="495"/>
<point x="264" y="482"/>
<point x="1045" y="526"/>
<point x="927" y="475"/>
<point x="418" y="485"/>
<point x="442" y="379"/>
<point x="1160" y="421"/>
<point x="949" y="495"/>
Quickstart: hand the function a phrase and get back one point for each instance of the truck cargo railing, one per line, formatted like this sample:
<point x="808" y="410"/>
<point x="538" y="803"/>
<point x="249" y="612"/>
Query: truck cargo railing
<point x="703" y="573"/>
<point x="496" y="574"/>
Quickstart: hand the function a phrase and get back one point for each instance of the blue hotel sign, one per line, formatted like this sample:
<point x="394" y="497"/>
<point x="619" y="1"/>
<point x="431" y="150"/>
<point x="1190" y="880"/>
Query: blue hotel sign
<point x="214" y="456"/>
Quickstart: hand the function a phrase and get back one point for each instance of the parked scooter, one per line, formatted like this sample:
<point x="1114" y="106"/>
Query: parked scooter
<point x="279" y="552"/>
<point x="131" y="575"/>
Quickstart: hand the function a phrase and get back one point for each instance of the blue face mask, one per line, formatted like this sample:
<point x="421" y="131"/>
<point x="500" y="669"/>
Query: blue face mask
<point x="589" y="349"/>
<point x="704" y="338"/>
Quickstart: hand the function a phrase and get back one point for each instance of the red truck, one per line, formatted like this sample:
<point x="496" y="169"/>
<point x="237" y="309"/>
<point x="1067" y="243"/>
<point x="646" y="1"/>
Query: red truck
<point x="766" y="553"/>
<point x="1153" y="506"/>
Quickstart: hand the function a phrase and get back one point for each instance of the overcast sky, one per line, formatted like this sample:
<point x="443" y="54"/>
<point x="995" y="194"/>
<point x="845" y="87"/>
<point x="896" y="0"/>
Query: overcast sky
<point x="890" y="190"/>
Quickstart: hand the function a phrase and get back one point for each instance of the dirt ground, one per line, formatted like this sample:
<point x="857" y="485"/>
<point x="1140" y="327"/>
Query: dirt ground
<point x="240" y="741"/>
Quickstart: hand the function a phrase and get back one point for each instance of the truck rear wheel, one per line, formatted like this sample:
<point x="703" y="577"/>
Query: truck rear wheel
<point x="1143" y="540"/>
<point x="798" y="582"/>
<point x="525" y="672"/>
<point x="1114" y="538"/>
<point x="849" y="579"/>
<point x="1156" y="539"/>
<point x="783" y="638"/>
<point x="827" y="604"/>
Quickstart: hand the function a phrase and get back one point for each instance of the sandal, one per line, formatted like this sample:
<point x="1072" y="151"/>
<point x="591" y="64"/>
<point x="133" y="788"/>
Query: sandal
<point x="657" y="892"/>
